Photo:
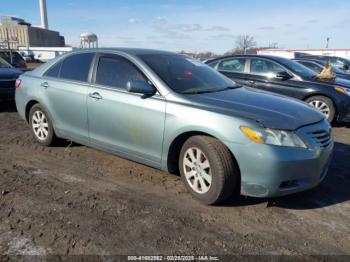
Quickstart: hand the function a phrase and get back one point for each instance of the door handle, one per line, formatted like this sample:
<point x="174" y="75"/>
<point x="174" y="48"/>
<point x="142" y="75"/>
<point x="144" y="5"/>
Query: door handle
<point x="45" y="84"/>
<point x="95" y="95"/>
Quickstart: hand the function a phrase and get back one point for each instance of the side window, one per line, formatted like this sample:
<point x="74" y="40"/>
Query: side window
<point x="116" y="72"/>
<point x="54" y="70"/>
<point x="213" y="64"/>
<point x="76" y="67"/>
<point x="312" y="66"/>
<point x="233" y="64"/>
<point x="264" y="67"/>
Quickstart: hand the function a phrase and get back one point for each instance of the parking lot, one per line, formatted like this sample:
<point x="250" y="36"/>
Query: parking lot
<point x="72" y="199"/>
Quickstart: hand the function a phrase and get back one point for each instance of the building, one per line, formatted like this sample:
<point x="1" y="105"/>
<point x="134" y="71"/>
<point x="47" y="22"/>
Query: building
<point x="293" y="53"/>
<point x="15" y="32"/>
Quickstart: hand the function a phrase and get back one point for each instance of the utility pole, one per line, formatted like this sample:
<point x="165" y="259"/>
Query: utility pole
<point x="328" y="39"/>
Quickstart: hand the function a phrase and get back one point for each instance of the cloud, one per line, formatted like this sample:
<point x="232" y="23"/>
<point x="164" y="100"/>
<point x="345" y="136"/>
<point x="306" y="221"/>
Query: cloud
<point x="217" y="28"/>
<point x="266" y="28"/>
<point x="312" y="21"/>
<point x="222" y="36"/>
<point x="135" y="21"/>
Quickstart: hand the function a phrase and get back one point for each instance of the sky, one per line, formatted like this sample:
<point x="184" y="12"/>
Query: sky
<point x="193" y="25"/>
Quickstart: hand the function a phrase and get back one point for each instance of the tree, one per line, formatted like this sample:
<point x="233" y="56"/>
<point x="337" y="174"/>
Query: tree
<point x="245" y="42"/>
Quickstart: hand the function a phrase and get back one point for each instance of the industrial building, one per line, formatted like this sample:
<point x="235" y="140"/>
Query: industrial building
<point x="15" y="32"/>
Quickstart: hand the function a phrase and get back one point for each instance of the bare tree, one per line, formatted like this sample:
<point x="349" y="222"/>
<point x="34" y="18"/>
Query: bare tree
<point x="245" y="42"/>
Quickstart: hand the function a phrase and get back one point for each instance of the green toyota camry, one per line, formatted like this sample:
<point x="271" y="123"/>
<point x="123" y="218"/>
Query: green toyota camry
<point x="174" y="113"/>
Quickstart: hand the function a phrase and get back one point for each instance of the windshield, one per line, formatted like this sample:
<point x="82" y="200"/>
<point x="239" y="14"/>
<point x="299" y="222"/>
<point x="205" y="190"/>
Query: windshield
<point x="4" y="64"/>
<point x="298" y="69"/>
<point x="187" y="76"/>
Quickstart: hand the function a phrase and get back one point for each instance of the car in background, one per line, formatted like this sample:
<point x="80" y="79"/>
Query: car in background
<point x="174" y="113"/>
<point x="287" y="77"/>
<point x="13" y="58"/>
<point x="339" y="62"/>
<point x="8" y="76"/>
<point x="318" y="66"/>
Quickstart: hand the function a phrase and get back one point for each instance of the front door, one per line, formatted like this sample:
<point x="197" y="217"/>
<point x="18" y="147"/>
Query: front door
<point x="125" y="123"/>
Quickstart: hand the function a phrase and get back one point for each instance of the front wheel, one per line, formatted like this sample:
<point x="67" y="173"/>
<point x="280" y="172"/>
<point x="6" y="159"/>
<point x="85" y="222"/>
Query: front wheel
<point x="41" y="126"/>
<point x="208" y="169"/>
<point x="324" y="105"/>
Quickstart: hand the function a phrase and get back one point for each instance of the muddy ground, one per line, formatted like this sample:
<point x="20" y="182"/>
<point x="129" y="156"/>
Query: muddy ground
<point x="77" y="200"/>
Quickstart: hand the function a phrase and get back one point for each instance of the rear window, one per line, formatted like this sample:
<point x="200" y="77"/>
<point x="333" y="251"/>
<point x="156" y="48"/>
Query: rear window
<point x="76" y="67"/>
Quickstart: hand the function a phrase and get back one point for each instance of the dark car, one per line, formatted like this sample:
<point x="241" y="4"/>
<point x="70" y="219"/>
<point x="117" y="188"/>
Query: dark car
<point x="8" y="76"/>
<point x="13" y="58"/>
<point x="318" y="66"/>
<point x="287" y="77"/>
<point x="339" y="62"/>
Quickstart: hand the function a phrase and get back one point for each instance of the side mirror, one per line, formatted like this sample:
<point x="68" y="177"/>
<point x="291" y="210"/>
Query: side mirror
<point x="283" y="75"/>
<point x="346" y="67"/>
<point x="140" y="87"/>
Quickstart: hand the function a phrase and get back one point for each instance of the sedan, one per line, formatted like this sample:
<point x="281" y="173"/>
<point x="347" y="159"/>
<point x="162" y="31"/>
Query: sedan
<point x="8" y="76"/>
<point x="174" y="113"/>
<point x="318" y="66"/>
<point x="287" y="77"/>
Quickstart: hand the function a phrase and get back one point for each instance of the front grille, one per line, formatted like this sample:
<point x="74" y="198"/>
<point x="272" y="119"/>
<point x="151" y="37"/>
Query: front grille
<point x="7" y="84"/>
<point x="322" y="137"/>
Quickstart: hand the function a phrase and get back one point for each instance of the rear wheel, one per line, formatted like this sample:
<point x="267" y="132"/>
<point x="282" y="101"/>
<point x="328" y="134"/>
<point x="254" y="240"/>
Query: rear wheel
<point x="208" y="169"/>
<point x="324" y="105"/>
<point x="41" y="126"/>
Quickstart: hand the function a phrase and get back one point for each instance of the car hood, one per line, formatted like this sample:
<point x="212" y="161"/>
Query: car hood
<point x="271" y="110"/>
<point x="338" y="81"/>
<point x="9" y="73"/>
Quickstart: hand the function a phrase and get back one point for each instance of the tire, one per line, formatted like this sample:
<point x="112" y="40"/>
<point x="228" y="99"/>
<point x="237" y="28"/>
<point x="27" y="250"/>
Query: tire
<point x="324" y="105"/>
<point x="213" y="184"/>
<point x="41" y="126"/>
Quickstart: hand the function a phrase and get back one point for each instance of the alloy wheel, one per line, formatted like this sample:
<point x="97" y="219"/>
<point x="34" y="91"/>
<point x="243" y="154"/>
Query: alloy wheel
<point x="320" y="106"/>
<point x="40" y="125"/>
<point x="197" y="170"/>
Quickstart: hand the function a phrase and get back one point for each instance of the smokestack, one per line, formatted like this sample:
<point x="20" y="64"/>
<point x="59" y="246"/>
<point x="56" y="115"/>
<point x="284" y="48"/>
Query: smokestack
<point x="43" y="14"/>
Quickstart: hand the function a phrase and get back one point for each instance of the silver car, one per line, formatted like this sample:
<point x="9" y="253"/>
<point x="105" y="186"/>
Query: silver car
<point x="174" y="113"/>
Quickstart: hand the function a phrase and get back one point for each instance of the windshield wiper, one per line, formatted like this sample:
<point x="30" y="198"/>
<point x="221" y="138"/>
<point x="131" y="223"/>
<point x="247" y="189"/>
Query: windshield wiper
<point x="209" y="91"/>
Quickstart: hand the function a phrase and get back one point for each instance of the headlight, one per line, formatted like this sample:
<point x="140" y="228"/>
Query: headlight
<point x="273" y="137"/>
<point x="343" y="90"/>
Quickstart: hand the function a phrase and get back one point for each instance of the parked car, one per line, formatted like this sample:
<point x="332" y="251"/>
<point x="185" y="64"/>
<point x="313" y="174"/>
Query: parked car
<point x="317" y="66"/>
<point x="339" y="62"/>
<point x="13" y="58"/>
<point x="287" y="77"/>
<point x="171" y="112"/>
<point x="8" y="76"/>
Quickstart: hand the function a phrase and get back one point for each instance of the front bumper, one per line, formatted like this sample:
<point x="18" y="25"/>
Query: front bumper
<point x="270" y="171"/>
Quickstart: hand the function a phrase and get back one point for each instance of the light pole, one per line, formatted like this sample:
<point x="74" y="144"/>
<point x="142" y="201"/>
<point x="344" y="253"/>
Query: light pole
<point x="328" y="39"/>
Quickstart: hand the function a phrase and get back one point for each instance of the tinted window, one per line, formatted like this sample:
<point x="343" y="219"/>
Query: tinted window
<point x="116" y="72"/>
<point x="233" y="64"/>
<point x="265" y="67"/>
<point x="185" y="75"/>
<point x="54" y="70"/>
<point x="315" y="67"/>
<point x="76" y="67"/>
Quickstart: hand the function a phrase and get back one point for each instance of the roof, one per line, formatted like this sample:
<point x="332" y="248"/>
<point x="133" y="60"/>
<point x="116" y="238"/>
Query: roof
<point x="277" y="58"/>
<point x="131" y="51"/>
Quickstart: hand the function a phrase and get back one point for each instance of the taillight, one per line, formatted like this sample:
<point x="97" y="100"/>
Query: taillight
<point x="18" y="83"/>
<point x="23" y="63"/>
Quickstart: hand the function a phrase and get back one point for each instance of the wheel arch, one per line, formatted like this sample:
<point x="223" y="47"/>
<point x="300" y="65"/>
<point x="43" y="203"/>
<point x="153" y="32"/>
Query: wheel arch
<point x="174" y="150"/>
<point x="28" y="107"/>
<point x="324" y="95"/>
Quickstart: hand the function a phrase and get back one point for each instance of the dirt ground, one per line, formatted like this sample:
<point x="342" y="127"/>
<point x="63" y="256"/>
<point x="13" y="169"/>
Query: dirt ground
<point x="77" y="200"/>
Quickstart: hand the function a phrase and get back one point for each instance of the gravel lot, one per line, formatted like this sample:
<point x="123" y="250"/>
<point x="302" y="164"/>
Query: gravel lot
<point x="77" y="200"/>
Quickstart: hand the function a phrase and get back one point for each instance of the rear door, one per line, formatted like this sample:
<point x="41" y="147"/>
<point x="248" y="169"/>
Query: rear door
<point x="65" y="86"/>
<point x="125" y="123"/>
